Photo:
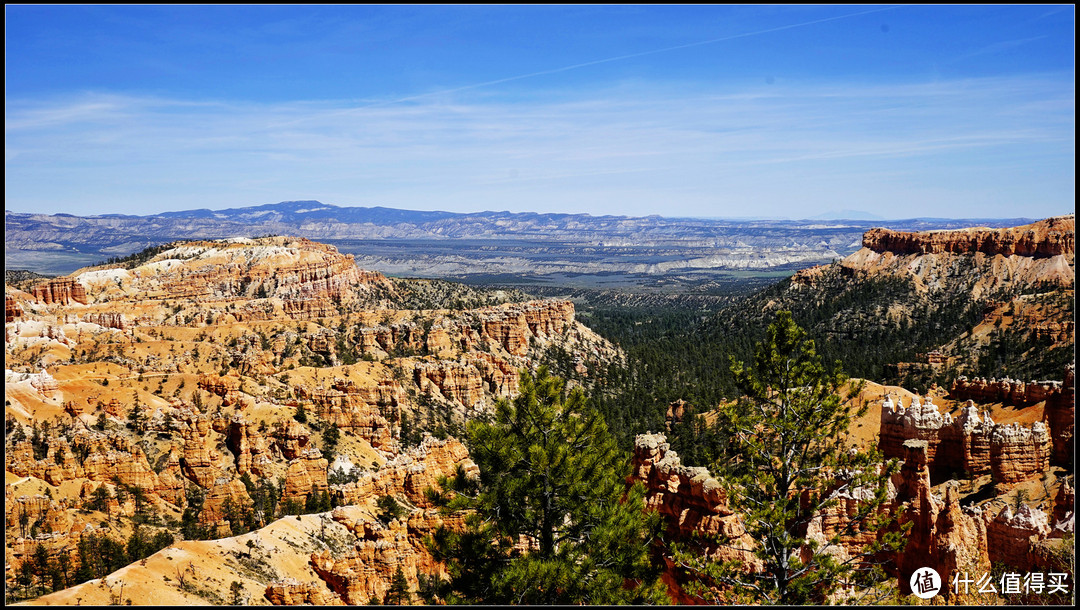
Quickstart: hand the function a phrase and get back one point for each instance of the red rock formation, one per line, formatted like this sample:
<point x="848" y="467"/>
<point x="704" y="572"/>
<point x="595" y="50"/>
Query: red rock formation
<point x="967" y="444"/>
<point x="218" y="501"/>
<point x="500" y="377"/>
<point x="101" y="458"/>
<point x="368" y="570"/>
<point x="913" y="487"/>
<point x="12" y="309"/>
<point x="358" y="408"/>
<point x="220" y="385"/>
<point x="130" y="468"/>
<point x="200" y="460"/>
<point x="1018" y="453"/>
<point x="107" y="319"/>
<point x="21" y="549"/>
<point x="1050" y="237"/>
<point x="114" y="407"/>
<point x="693" y="505"/>
<point x="454" y="381"/>
<point x="306" y="475"/>
<point x="1010" y="536"/>
<point x="292" y="592"/>
<point x="438" y="340"/>
<point x="252" y="449"/>
<point x="49" y="515"/>
<point x="172" y="478"/>
<point x="1064" y="503"/>
<point x="1060" y="414"/>
<point x="291" y="439"/>
<point x="675" y="413"/>
<point x="513" y="324"/>
<point x="960" y="540"/>
<point x="60" y="291"/>
<point x="1007" y="391"/>
<point x="410" y="474"/>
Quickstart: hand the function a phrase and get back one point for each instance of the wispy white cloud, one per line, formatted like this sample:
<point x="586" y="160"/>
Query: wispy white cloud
<point x="1002" y="47"/>
<point x="634" y="150"/>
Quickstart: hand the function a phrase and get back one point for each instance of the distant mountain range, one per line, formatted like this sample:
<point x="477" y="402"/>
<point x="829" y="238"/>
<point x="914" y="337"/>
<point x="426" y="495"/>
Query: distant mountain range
<point x="449" y="244"/>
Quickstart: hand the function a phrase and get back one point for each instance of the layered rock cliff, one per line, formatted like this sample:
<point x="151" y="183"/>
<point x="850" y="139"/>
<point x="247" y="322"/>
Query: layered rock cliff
<point x="1051" y="237"/>
<point x="61" y="291"/>
<point x="295" y="271"/>
<point x="966" y="444"/>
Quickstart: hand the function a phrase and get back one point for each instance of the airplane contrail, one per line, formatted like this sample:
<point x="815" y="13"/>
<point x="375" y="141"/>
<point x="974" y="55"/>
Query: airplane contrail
<point x="629" y="56"/>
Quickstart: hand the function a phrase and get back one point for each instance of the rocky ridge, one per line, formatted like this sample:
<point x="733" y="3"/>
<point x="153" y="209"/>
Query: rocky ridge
<point x="175" y="386"/>
<point x="1052" y="237"/>
<point x="975" y="302"/>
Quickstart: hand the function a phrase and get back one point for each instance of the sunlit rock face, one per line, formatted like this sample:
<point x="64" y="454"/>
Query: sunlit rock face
<point x="1051" y="237"/>
<point x="61" y="291"/>
<point x="969" y="443"/>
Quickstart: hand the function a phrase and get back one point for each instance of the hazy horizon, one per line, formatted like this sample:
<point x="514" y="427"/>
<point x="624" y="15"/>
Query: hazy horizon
<point x="778" y="112"/>
<point x="834" y="215"/>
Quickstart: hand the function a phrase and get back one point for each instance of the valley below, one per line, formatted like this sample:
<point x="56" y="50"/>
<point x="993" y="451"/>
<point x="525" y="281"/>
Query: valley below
<point x="578" y="250"/>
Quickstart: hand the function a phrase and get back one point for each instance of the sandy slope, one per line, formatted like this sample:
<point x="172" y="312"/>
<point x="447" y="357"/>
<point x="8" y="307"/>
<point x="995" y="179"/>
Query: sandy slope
<point x="280" y="550"/>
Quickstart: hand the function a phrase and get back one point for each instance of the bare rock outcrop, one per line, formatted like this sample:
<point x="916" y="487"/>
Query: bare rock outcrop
<point x="60" y="291"/>
<point x="1064" y="505"/>
<point x="359" y="408"/>
<point x="223" y="497"/>
<point x="12" y="309"/>
<point x="292" y="592"/>
<point x="1012" y="536"/>
<point x="454" y="381"/>
<point x="969" y="443"/>
<point x="693" y="506"/>
<point x="200" y="461"/>
<point x="46" y="385"/>
<point x="366" y="572"/>
<point x="514" y="324"/>
<point x="46" y="514"/>
<point x="411" y="473"/>
<point x="305" y="475"/>
<point x="94" y="456"/>
<point x="1060" y="414"/>
<point x="1018" y="453"/>
<point x="1008" y="391"/>
<point x="252" y="449"/>
<point x="960" y="540"/>
<point x="1050" y="237"/>
<point x="107" y="319"/>
<point x="292" y="439"/>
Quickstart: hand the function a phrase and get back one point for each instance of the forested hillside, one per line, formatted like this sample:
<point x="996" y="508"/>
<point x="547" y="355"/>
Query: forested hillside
<point x="909" y="319"/>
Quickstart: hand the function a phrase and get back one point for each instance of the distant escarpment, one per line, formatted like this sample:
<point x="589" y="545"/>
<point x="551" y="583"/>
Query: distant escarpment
<point x="1051" y="237"/>
<point x="925" y="307"/>
<point x="291" y="269"/>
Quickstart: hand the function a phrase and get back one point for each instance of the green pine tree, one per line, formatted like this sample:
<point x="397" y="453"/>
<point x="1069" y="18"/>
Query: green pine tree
<point x="787" y="458"/>
<point x="552" y="520"/>
<point x="398" y="594"/>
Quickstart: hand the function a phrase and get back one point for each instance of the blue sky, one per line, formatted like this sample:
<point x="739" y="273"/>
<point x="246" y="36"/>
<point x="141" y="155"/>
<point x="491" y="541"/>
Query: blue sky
<point x="721" y="111"/>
